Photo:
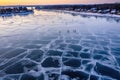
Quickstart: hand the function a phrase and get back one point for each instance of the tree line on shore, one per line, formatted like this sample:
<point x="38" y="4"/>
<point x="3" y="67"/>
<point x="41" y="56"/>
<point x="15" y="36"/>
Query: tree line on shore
<point x="96" y="8"/>
<point x="9" y="10"/>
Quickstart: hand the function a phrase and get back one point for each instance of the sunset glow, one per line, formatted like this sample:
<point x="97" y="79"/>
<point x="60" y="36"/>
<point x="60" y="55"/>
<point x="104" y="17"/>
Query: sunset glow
<point x="37" y="2"/>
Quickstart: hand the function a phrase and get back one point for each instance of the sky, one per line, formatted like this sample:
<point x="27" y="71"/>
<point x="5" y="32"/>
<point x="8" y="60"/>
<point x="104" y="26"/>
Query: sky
<point x="37" y="2"/>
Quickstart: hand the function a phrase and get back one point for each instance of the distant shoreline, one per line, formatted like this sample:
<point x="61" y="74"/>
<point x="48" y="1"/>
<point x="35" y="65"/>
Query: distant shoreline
<point x="9" y="11"/>
<point x="95" y="8"/>
<point x="90" y="14"/>
<point x="103" y="9"/>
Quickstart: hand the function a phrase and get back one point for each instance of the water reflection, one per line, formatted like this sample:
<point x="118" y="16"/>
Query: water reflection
<point x="5" y="16"/>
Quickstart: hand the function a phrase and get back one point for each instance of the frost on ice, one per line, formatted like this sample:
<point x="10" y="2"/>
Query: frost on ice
<point x="59" y="46"/>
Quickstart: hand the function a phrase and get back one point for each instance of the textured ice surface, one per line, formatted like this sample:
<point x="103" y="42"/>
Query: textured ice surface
<point x="50" y="45"/>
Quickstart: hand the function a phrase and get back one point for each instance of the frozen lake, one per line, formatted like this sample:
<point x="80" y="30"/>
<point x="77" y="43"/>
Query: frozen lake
<point x="50" y="45"/>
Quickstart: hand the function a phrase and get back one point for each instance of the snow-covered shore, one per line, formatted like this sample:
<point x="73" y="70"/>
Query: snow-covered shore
<point x="89" y="13"/>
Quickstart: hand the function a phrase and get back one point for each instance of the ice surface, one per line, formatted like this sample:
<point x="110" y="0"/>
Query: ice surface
<point x="59" y="45"/>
